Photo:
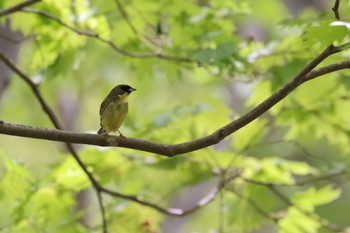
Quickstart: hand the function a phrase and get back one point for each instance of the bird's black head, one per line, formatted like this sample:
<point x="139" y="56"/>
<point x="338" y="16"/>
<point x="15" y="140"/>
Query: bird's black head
<point x="123" y="89"/>
<point x="127" y="88"/>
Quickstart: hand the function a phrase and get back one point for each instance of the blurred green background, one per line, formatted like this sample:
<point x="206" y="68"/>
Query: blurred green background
<point x="196" y="65"/>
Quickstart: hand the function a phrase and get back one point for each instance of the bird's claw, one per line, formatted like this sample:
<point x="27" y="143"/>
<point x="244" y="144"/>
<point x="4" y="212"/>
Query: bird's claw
<point x="104" y="135"/>
<point x="121" y="137"/>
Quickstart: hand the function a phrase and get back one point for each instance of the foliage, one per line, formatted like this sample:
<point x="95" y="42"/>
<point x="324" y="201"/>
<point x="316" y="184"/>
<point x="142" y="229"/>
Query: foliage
<point x="284" y="172"/>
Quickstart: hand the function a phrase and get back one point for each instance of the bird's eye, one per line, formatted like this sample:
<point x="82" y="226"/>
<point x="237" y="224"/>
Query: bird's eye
<point x="126" y="88"/>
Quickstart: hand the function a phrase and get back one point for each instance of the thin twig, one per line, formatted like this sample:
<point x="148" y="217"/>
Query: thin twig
<point x="131" y="25"/>
<point x="255" y="206"/>
<point x="335" y="9"/>
<point x="17" y="7"/>
<point x="109" y="42"/>
<point x="168" y="211"/>
<point x="327" y="69"/>
<point x="176" y="211"/>
<point x="126" y="17"/>
<point x="102" y="209"/>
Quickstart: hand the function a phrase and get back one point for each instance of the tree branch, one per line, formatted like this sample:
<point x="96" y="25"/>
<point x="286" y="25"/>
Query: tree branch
<point x="335" y="9"/>
<point x="49" y="112"/>
<point x="170" y="211"/>
<point x="327" y="69"/>
<point x="17" y="7"/>
<point x="125" y="16"/>
<point x="256" y="207"/>
<point x="174" y="149"/>
<point x="69" y="137"/>
<point x="107" y="41"/>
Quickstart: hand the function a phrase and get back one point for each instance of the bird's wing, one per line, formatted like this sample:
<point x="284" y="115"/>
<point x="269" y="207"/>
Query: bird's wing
<point x="104" y="104"/>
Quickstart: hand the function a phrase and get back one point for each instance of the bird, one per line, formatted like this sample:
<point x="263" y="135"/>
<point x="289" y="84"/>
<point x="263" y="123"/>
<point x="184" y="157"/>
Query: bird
<point x="114" y="109"/>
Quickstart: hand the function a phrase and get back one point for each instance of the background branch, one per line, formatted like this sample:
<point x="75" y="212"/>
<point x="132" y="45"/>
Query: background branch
<point x="175" y="211"/>
<point x="335" y="9"/>
<point x="17" y="7"/>
<point x="49" y="112"/>
<point x="107" y="41"/>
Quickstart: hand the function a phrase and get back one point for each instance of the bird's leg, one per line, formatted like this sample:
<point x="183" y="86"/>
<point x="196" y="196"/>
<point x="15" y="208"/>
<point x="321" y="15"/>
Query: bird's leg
<point x="121" y="135"/>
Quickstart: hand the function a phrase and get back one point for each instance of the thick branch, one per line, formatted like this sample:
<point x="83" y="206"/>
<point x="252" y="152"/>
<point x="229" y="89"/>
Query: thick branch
<point x="175" y="149"/>
<point x="17" y="7"/>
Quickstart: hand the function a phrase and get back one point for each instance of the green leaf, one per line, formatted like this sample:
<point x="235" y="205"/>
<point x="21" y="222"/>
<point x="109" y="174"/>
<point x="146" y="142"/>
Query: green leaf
<point x="296" y="221"/>
<point x="274" y="170"/>
<point x="16" y="181"/>
<point x="215" y="56"/>
<point x="312" y="197"/>
<point x="326" y="33"/>
<point x="70" y="176"/>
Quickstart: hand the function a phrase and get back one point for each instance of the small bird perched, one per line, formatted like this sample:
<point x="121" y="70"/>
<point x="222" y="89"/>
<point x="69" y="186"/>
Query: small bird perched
<point x="114" y="109"/>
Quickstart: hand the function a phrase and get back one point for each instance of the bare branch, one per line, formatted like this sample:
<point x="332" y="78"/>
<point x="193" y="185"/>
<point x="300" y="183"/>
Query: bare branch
<point x="335" y="9"/>
<point x="327" y="69"/>
<point x="257" y="208"/>
<point x="125" y="16"/>
<point x="109" y="42"/>
<point x="164" y="149"/>
<point x="176" y="211"/>
<point x="102" y="209"/>
<point x="168" y="211"/>
<point x="17" y="7"/>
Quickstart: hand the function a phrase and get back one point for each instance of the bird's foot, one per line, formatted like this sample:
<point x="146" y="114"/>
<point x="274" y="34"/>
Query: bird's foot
<point x="121" y="136"/>
<point x="104" y="135"/>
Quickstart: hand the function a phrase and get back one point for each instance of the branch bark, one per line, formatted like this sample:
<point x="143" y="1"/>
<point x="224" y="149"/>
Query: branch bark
<point x="335" y="9"/>
<point x="17" y="7"/>
<point x="175" y="149"/>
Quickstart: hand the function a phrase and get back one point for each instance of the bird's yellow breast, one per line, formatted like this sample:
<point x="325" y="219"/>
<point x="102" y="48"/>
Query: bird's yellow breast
<point x="124" y="98"/>
<point x="114" y="115"/>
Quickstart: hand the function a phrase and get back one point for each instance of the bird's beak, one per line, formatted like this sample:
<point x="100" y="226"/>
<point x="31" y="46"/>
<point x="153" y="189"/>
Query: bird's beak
<point x="132" y="89"/>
